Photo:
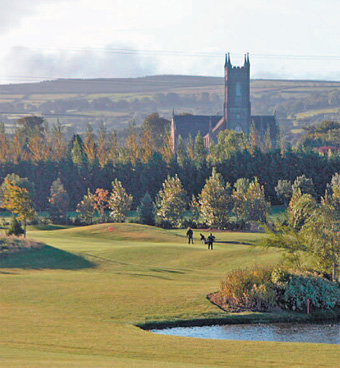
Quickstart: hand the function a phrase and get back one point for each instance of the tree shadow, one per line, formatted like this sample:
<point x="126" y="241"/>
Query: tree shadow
<point x="233" y="242"/>
<point x="46" y="257"/>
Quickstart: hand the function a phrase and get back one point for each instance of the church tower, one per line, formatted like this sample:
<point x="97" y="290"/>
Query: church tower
<point x="237" y="95"/>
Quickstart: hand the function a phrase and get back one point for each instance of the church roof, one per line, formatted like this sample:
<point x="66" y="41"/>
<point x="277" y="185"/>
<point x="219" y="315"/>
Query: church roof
<point x="193" y="124"/>
<point x="262" y="122"/>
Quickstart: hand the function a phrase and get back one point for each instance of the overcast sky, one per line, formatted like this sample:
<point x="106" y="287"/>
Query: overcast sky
<point x="49" y="39"/>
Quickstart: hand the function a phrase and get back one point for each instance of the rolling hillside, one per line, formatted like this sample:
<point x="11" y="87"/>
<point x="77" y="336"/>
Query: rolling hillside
<point x="76" y="102"/>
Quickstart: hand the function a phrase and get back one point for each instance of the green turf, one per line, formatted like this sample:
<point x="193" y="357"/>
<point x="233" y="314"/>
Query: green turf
<point x="77" y="301"/>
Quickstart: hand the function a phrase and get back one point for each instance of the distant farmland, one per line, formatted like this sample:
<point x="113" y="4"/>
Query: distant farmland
<point x="76" y="102"/>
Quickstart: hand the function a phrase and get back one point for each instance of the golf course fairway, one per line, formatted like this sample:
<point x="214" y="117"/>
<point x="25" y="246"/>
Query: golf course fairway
<point x="77" y="301"/>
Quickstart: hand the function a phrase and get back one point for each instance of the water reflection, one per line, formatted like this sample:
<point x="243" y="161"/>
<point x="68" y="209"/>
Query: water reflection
<point x="326" y="333"/>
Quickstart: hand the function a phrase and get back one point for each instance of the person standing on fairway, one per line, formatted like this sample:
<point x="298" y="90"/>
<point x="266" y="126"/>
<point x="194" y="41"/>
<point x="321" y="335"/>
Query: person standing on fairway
<point x="190" y="235"/>
<point x="211" y="240"/>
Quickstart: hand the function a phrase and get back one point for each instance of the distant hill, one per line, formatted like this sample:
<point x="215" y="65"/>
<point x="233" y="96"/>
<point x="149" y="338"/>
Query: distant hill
<point x="76" y="102"/>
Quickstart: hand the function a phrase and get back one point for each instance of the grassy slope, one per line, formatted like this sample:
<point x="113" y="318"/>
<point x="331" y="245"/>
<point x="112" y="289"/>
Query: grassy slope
<point x="82" y="312"/>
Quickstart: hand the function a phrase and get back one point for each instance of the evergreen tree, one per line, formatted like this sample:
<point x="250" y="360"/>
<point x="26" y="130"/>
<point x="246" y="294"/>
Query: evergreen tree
<point x="200" y="151"/>
<point x="171" y="201"/>
<point x="190" y="149"/>
<point x="195" y="208"/>
<point x="146" y="210"/>
<point x="86" y="208"/>
<point x="119" y="202"/>
<point x="301" y="206"/>
<point x="284" y="190"/>
<point x="250" y="203"/>
<point x="215" y="201"/>
<point x="77" y="152"/>
<point x="267" y="144"/>
<point x="182" y="157"/>
<point x="59" y="202"/>
<point x="304" y="184"/>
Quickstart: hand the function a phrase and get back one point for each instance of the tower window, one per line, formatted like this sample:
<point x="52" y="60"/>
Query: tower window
<point x="238" y="92"/>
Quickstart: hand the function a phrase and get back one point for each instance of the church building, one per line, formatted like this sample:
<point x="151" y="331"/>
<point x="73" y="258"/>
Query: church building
<point x="236" y="111"/>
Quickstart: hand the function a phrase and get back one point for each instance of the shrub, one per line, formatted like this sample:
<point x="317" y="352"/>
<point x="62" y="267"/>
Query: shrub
<point x="262" y="289"/>
<point x="249" y="289"/>
<point x="323" y="294"/>
<point x="15" y="228"/>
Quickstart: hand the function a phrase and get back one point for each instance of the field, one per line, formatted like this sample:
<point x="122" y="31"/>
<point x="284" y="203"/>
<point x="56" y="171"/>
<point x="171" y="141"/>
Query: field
<point x="77" y="301"/>
<point x="117" y="102"/>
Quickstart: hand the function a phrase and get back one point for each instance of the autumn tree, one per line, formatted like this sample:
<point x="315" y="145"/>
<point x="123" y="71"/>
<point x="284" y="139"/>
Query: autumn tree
<point x="113" y="149"/>
<point x="17" y="198"/>
<point x="89" y="146"/>
<point x="119" y="202"/>
<point x="132" y="145"/>
<point x="171" y="201"/>
<point x="58" y="143"/>
<point x="215" y="201"/>
<point x="59" y="202"/>
<point x="253" y="139"/>
<point x="147" y="143"/>
<point x="101" y="197"/>
<point x="102" y="149"/>
<point x="167" y="149"/>
<point x="4" y="144"/>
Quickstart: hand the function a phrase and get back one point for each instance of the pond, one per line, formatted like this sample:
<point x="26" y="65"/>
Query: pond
<point x="325" y="333"/>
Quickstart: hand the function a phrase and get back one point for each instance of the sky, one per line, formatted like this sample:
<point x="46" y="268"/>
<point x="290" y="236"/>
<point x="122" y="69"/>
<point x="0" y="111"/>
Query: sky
<point x="51" y="39"/>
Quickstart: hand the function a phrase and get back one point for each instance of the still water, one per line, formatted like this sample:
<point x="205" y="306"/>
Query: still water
<point x="325" y="333"/>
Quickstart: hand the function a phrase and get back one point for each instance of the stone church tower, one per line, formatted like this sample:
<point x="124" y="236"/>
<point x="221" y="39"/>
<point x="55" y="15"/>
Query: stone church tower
<point x="237" y="111"/>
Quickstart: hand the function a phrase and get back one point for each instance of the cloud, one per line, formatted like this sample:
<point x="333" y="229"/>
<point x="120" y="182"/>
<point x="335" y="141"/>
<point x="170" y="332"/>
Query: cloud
<point x="29" y="64"/>
<point x="14" y="11"/>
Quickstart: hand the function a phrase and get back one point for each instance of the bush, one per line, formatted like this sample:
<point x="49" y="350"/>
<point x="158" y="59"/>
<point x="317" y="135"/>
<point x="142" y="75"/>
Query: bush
<point x="323" y="294"/>
<point x="15" y="228"/>
<point x="263" y="289"/>
<point x="248" y="289"/>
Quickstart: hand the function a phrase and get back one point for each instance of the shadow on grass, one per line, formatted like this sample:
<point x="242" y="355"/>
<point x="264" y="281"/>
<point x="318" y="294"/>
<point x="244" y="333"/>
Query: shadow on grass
<point x="46" y="257"/>
<point x="232" y="242"/>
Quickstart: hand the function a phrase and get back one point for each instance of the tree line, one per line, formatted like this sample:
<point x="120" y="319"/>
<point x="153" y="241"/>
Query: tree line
<point x="144" y="159"/>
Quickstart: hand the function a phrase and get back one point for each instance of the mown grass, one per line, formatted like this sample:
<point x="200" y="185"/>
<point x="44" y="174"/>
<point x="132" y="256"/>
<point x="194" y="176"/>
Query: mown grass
<point x="86" y="316"/>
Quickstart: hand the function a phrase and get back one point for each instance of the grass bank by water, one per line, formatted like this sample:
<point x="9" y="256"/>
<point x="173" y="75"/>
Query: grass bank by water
<point x="86" y="314"/>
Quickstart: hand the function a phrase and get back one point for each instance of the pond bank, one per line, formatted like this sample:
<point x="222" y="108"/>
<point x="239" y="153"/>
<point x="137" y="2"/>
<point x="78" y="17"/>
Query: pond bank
<point x="252" y="318"/>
